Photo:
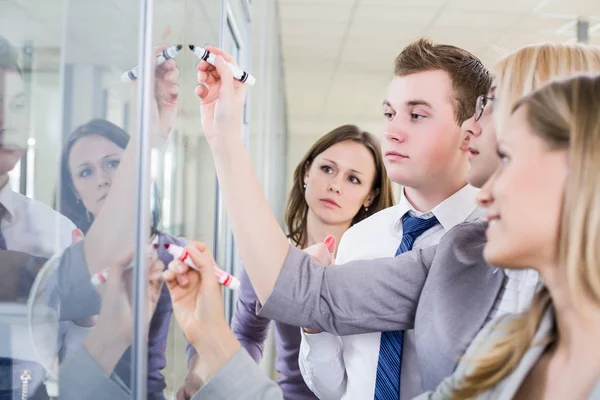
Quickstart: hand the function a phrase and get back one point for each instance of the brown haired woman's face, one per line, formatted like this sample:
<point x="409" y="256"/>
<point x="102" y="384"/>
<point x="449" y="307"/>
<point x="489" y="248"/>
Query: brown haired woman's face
<point x="339" y="182"/>
<point x="93" y="162"/>
<point x="524" y="198"/>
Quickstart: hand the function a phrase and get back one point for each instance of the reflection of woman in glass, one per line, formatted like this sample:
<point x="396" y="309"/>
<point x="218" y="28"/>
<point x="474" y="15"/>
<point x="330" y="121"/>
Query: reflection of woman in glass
<point x="90" y="160"/>
<point x="340" y="181"/>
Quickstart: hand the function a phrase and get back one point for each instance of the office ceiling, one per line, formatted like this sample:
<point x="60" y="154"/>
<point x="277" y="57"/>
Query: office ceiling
<point x="339" y="54"/>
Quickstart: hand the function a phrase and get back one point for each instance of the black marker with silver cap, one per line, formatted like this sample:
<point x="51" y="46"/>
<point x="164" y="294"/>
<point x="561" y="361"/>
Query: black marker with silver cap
<point x="163" y="56"/>
<point x="209" y="57"/>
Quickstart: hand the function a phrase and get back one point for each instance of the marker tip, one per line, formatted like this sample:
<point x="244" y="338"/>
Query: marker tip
<point x="330" y="242"/>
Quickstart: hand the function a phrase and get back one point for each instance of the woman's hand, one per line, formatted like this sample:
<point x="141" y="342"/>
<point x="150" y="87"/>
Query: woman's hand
<point x="166" y="96"/>
<point x="198" y="309"/>
<point x="196" y="296"/>
<point x="113" y="331"/>
<point x="222" y="98"/>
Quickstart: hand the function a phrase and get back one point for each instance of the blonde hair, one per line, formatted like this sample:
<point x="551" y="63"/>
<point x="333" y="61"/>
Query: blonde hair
<point x="565" y="115"/>
<point x="530" y="67"/>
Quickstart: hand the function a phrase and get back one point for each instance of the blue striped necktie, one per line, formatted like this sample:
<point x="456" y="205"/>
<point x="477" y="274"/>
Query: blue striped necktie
<point x="2" y="239"/>
<point x="387" y="383"/>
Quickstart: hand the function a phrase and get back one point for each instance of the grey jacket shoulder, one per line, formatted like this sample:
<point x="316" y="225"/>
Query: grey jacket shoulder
<point x="239" y="379"/>
<point x="466" y="232"/>
<point x="456" y="301"/>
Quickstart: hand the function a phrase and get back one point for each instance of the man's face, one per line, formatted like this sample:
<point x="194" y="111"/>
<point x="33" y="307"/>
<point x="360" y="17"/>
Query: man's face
<point x="14" y="119"/>
<point x="421" y="140"/>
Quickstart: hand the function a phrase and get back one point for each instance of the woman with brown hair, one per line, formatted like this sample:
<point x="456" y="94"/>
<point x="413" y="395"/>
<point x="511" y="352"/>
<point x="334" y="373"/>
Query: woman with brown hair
<point x="340" y="181"/>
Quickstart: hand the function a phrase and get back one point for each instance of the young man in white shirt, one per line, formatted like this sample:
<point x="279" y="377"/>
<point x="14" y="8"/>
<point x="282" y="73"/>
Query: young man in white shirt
<point x="433" y="92"/>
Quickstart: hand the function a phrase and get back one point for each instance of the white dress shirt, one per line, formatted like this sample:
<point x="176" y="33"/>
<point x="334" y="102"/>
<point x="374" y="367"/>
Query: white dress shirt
<point x="516" y="293"/>
<point x="345" y="367"/>
<point x="32" y="227"/>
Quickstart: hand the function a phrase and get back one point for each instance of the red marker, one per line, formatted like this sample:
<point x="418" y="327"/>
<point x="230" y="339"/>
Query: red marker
<point x="224" y="278"/>
<point x="330" y="243"/>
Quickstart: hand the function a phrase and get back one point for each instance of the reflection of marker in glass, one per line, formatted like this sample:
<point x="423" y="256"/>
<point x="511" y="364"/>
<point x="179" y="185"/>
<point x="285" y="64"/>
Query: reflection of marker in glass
<point x="101" y="277"/>
<point x="238" y="74"/>
<point x="161" y="57"/>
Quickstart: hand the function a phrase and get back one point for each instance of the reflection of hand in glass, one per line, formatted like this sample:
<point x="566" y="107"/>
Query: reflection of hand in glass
<point x="222" y="96"/>
<point x="192" y="381"/>
<point x="198" y="309"/>
<point x="118" y="205"/>
<point x="113" y="332"/>
<point x="167" y="94"/>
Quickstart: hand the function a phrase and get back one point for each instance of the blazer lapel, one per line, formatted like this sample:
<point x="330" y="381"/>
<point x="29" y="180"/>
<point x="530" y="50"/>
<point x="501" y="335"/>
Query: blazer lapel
<point x="455" y="303"/>
<point x="508" y="388"/>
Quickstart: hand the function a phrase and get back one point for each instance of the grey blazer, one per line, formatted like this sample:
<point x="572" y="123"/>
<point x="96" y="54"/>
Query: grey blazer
<point x="508" y="387"/>
<point x="445" y="292"/>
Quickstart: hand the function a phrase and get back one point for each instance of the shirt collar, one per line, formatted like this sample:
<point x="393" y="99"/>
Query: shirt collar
<point x="450" y="212"/>
<point x="6" y="200"/>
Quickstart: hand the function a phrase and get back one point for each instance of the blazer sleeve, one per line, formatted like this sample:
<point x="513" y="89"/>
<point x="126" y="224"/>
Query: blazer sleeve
<point x="358" y="297"/>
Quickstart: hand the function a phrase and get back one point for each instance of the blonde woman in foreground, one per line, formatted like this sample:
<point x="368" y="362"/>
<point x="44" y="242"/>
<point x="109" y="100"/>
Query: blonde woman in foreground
<point x="544" y="213"/>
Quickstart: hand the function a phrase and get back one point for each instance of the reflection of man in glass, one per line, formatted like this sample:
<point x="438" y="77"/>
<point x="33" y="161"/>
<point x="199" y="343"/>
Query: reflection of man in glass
<point x="30" y="232"/>
<point x="14" y="112"/>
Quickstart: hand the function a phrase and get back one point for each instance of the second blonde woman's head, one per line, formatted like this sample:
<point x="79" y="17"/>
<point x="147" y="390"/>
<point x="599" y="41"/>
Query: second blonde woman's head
<point x="517" y="75"/>
<point x="527" y="69"/>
